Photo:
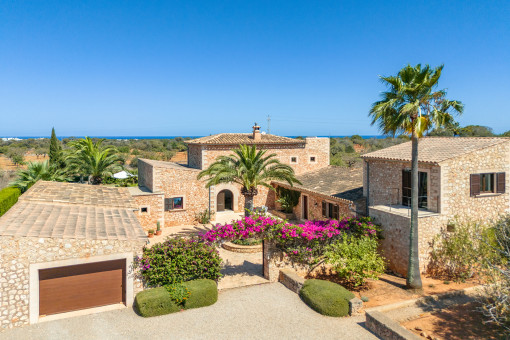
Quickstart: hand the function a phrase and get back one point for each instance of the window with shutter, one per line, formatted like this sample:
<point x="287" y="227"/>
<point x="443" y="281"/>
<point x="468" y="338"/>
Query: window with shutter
<point x="330" y="210"/>
<point x="500" y="182"/>
<point x="475" y="184"/>
<point x="324" y="209"/>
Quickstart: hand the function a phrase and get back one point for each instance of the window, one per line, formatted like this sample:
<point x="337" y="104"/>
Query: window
<point x="330" y="210"/>
<point x="422" y="189"/>
<point x="174" y="203"/>
<point x="487" y="183"/>
<point x="144" y="209"/>
<point x="293" y="159"/>
<point x="312" y="159"/>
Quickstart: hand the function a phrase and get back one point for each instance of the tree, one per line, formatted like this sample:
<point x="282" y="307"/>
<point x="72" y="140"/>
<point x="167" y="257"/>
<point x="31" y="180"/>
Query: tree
<point x="37" y="171"/>
<point x="249" y="168"/>
<point x="56" y="157"/>
<point x="506" y="134"/>
<point x="91" y="159"/>
<point x="411" y="106"/>
<point x="17" y="157"/>
<point x="476" y="131"/>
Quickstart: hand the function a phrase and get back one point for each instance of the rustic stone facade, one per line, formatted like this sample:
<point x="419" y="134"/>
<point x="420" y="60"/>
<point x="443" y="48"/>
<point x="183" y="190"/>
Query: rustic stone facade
<point x="19" y="253"/>
<point x="150" y="209"/>
<point x="449" y="198"/>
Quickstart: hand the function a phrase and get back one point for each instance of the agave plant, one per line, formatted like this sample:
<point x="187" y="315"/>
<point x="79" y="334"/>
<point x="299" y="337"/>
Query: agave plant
<point x="90" y="159"/>
<point x="38" y="171"/>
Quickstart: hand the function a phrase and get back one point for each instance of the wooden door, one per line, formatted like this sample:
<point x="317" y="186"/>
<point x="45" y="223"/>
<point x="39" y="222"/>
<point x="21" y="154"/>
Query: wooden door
<point x="305" y="207"/>
<point x="70" y="288"/>
<point x="220" y="201"/>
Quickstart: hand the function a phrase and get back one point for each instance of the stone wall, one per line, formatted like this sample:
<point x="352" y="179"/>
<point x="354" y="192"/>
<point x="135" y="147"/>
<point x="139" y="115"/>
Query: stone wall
<point x="395" y="243"/>
<point x="456" y="199"/>
<point x="195" y="156"/>
<point x="155" y="210"/>
<point x="385" y="182"/>
<point x="145" y="175"/>
<point x="314" y="147"/>
<point x="19" y="253"/>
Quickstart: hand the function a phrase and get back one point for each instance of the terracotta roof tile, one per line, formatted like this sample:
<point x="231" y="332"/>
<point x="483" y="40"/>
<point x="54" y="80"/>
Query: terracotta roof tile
<point x="436" y="149"/>
<point x="243" y="138"/>
<point x="70" y="210"/>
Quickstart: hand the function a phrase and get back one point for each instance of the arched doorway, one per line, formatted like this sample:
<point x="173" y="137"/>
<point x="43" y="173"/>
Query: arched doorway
<point x="225" y="200"/>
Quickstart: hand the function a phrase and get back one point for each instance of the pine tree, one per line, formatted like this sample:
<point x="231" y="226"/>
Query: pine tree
<point x="55" y="150"/>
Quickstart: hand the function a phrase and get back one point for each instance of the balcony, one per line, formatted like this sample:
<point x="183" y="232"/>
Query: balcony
<point x="390" y="201"/>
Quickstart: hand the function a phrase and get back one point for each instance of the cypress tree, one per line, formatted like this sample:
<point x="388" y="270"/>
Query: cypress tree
<point x="55" y="150"/>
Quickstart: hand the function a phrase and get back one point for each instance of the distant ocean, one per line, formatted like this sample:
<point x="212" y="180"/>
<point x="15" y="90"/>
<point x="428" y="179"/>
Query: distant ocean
<point x="164" y="137"/>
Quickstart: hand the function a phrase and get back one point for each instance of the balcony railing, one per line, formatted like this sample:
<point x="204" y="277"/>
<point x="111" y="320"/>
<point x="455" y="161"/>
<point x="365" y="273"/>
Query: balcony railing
<point x="392" y="199"/>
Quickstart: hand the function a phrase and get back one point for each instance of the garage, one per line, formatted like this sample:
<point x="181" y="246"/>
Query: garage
<point x="68" y="249"/>
<point x="70" y="288"/>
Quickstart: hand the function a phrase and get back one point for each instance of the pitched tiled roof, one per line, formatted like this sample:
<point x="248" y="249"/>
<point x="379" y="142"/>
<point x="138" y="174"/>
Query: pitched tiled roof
<point x="74" y="193"/>
<point x="70" y="210"/>
<point x="243" y="138"/>
<point x="340" y="182"/>
<point x="166" y="164"/>
<point x="436" y="149"/>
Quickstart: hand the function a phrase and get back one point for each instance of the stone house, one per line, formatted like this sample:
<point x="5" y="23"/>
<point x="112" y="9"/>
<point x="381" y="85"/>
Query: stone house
<point x="67" y="249"/>
<point x="459" y="179"/>
<point x="171" y="193"/>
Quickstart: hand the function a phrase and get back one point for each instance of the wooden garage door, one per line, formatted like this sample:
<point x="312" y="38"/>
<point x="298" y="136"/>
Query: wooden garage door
<point x="65" y="289"/>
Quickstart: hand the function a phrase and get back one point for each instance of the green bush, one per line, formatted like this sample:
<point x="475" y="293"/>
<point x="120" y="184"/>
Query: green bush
<point x="8" y="197"/>
<point x="204" y="292"/>
<point x="179" y="260"/>
<point x="288" y="199"/>
<point x="326" y="298"/>
<point x="355" y="259"/>
<point x="154" y="302"/>
<point x="457" y="255"/>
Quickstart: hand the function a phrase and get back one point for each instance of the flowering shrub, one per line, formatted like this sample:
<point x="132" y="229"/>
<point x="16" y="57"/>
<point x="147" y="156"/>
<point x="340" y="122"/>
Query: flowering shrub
<point x="304" y="243"/>
<point x="178" y="292"/>
<point x="179" y="260"/>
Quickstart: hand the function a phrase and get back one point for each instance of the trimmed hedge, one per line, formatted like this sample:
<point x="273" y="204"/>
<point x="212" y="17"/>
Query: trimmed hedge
<point x="204" y="292"/>
<point x="8" y="197"/>
<point x="158" y="301"/>
<point x="326" y="298"/>
<point x="154" y="302"/>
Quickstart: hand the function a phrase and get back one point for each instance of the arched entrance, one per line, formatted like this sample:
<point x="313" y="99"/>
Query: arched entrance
<point x="225" y="200"/>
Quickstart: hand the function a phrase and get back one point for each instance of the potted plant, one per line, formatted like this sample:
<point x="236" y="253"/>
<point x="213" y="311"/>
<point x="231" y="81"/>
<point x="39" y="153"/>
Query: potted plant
<point x="158" y="229"/>
<point x="151" y="232"/>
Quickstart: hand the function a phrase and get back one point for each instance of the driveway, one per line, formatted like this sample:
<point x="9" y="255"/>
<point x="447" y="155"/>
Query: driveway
<point x="267" y="311"/>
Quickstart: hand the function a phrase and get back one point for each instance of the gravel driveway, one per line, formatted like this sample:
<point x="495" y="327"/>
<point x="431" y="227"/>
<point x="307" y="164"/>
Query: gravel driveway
<point x="267" y="311"/>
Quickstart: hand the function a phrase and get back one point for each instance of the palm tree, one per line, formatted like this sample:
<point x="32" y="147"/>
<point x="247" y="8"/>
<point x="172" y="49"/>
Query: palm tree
<point x="411" y="106"/>
<point x="37" y="171"/>
<point x="249" y="168"/>
<point x="92" y="159"/>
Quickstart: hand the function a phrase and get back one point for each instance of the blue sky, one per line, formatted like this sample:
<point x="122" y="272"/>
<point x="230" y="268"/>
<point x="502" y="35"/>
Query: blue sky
<point x="201" y="67"/>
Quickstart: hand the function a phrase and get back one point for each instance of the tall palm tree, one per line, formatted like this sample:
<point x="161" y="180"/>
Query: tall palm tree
<point x="37" y="171"/>
<point x="249" y="168"/>
<point x="92" y="159"/>
<point x="412" y="106"/>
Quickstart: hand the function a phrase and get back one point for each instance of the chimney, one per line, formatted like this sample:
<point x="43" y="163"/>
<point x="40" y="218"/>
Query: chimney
<point x="256" y="132"/>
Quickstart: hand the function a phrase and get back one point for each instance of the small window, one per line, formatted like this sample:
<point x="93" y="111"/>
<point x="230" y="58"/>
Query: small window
<point x="293" y="159"/>
<point x="486" y="183"/>
<point x="144" y="209"/>
<point x="174" y="203"/>
<point x="312" y="159"/>
<point x="330" y="210"/>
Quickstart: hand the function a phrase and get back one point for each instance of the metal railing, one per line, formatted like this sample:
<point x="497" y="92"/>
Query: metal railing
<point x="392" y="198"/>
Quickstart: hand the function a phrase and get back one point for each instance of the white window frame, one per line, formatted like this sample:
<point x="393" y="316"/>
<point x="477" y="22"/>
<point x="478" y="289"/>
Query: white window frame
<point x="297" y="160"/>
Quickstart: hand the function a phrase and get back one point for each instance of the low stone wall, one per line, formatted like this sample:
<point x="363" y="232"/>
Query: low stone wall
<point x="387" y="328"/>
<point x="237" y="248"/>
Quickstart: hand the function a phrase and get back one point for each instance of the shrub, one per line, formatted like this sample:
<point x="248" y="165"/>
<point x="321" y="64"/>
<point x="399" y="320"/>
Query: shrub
<point x="204" y="293"/>
<point x="154" y="302"/>
<point x="456" y="255"/>
<point x="495" y="297"/>
<point x="179" y="260"/>
<point x="355" y="259"/>
<point x="178" y="292"/>
<point x="288" y="199"/>
<point x="326" y="298"/>
<point x="203" y="217"/>
<point x="8" y="197"/>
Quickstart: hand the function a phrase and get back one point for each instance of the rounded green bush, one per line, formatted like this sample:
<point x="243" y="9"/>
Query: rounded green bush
<point x="326" y="298"/>
<point x="204" y="292"/>
<point x="154" y="302"/>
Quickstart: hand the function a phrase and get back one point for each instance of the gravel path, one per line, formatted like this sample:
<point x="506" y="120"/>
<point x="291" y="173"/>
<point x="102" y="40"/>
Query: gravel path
<point x="267" y="311"/>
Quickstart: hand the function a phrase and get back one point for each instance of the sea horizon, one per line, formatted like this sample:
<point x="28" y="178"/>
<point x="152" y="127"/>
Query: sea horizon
<point x="173" y="137"/>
